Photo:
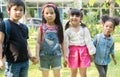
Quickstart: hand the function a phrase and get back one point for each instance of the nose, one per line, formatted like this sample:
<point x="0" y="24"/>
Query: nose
<point x="49" y="14"/>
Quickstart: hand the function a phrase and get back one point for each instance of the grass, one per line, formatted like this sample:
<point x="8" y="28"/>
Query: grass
<point x="113" y="70"/>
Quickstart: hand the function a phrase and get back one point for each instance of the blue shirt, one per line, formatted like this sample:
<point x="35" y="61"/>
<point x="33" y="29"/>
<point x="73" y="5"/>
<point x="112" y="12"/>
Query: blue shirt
<point x="104" y="47"/>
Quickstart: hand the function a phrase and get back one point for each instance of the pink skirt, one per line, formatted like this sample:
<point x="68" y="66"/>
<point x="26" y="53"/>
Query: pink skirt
<point x="78" y="57"/>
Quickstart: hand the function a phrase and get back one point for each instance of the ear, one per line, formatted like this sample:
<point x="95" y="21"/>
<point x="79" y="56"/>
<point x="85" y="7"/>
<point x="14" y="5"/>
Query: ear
<point x="8" y="11"/>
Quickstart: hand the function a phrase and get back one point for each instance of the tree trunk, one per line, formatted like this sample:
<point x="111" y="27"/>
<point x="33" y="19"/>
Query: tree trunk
<point x="111" y="8"/>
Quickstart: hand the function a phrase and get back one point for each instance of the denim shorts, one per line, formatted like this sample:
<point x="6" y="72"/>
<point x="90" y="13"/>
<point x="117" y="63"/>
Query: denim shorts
<point x="16" y="69"/>
<point x="50" y="62"/>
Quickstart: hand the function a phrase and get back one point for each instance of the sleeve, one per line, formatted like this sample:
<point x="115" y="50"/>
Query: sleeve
<point x="40" y="28"/>
<point x="66" y="36"/>
<point x="26" y="30"/>
<point x="89" y="43"/>
<point x="112" y="48"/>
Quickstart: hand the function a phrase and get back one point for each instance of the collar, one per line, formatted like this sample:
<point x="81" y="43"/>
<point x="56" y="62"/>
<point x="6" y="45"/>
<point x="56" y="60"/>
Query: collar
<point x="103" y="36"/>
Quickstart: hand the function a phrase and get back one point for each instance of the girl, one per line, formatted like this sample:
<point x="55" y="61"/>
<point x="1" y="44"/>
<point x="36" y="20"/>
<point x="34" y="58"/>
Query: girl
<point x="105" y="45"/>
<point x="79" y="45"/>
<point x="50" y="38"/>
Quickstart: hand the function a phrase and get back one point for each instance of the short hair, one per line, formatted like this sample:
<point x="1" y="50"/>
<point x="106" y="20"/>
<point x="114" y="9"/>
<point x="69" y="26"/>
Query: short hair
<point x="11" y="3"/>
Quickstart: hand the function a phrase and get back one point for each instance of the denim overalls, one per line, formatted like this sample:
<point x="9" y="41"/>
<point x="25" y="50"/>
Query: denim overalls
<point x="50" y="51"/>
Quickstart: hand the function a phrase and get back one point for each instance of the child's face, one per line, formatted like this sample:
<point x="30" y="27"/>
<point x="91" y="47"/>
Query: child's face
<point x="16" y="13"/>
<point x="108" y="28"/>
<point x="49" y="15"/>
<point x="75" y="20"/>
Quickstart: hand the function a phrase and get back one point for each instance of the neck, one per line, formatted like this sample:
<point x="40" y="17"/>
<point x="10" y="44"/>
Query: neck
<point x="50" y="24"/>
<point x="15" y="21"/>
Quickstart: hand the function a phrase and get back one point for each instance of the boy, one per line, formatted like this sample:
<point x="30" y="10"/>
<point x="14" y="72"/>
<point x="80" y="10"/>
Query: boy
<point x="17" y="52"/>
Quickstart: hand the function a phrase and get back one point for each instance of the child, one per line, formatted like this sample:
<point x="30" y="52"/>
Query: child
<point x="79" y="45"/>
<point x="17" y="52"/>
<point x="105" y="45"/>
<point x="50" y="38"/>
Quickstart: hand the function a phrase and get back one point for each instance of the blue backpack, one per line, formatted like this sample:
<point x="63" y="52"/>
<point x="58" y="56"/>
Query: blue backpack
<point x="7" y="36"/>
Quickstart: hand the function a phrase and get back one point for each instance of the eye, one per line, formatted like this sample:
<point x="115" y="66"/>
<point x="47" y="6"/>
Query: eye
<point x="15" y="9"/>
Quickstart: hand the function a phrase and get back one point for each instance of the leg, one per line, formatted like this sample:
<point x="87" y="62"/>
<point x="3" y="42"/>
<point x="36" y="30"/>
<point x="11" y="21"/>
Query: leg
<point x="24" y="69"/>
<point x="105" y="68"/>
<point x="56" y="72"/>
<point x="45" y="65"/>
<point x="12" y="70"/>
<point x="73" y="72"/>
<point x="101" y="70"/>
<point x="45" y="73"/>
<point x="83" y="72"/>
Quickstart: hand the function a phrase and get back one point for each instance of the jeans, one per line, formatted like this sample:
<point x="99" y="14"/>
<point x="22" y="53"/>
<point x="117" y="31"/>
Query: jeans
<point x="102" y="69"/>
<point x="17" y="69"/>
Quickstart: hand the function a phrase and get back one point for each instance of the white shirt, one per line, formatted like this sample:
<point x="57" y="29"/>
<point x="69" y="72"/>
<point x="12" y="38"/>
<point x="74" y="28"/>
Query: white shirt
<point x="80" y="38"/>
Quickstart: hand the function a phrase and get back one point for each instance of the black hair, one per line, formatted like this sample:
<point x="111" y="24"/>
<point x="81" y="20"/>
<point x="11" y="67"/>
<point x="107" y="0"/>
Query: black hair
<point x="114" y="20"/>
<point x="104" y="18"/>
<point x="11" y="3"/>
<point x="76" y="12"/>
<point x="57" y="22"/>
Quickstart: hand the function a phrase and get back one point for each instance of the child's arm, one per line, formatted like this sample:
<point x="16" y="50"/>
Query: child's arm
<point x="1" y="42"/>
<point x="114" y="59"/>
<point x="38" y="45"/>
<point x="89" y="43"/>
<point x="66" y="49"/>
<point x="112" y="53"/>
<point x="32" y="58"/>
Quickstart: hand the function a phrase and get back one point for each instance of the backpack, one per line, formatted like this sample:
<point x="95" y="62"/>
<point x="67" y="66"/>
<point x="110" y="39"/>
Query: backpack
<point x="49" y="42"/>
<point x="98" y="39"/>
<point x="7" y="33"/>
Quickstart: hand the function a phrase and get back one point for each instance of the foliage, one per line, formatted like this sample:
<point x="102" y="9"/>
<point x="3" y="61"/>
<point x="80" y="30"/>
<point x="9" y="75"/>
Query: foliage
<point x="91" y="2"/>
<point x="91" y="20"/>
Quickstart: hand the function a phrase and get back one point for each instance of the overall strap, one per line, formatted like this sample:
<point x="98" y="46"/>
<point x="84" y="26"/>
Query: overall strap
<point x="43" y="29"/>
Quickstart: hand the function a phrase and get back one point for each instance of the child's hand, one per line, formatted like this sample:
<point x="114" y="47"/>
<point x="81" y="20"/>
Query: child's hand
<point x="34" y="60"/>
<point x="65" y="64"/>
<point x="91" y="58"/>
<point x="115" y="62"/>
<point x="65" y="61"/>
<point x="2" y="66"/>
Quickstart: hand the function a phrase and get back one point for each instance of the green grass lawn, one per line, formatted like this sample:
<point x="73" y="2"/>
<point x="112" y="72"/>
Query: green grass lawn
<point x="113" y="70"/>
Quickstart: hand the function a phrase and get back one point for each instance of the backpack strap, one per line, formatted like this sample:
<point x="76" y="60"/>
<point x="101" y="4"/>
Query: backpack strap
<point x="7" y="36"/>
<point x="98" y="38"/>
<point x="112" y="42"/>
<point x="7" y="28"/>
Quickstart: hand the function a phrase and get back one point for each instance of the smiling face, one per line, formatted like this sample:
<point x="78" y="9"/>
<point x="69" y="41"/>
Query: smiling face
<point x="75" y="20"/>
<point x="108" y="28"/>
<point x="16" y="13"/>
<point x="49" y="15"/>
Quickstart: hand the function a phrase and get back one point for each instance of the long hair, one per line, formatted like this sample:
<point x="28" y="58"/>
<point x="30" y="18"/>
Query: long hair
<point x="77" y="13"/>
<point x="57" y="20"/>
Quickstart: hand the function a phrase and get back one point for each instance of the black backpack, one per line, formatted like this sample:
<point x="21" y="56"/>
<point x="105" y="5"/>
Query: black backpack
<point x="7" y="36"/>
